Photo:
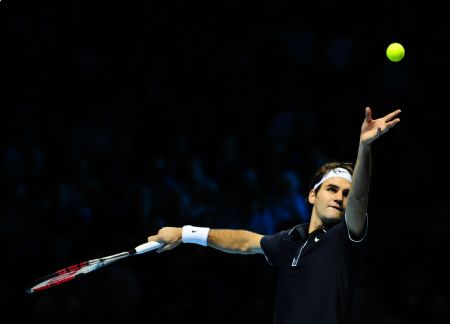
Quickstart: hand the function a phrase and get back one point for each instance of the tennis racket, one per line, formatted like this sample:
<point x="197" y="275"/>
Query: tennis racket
<point x="77" y="270"/>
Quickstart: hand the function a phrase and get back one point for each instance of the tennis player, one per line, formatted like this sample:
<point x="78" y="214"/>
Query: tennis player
<point x="320" y="262"/>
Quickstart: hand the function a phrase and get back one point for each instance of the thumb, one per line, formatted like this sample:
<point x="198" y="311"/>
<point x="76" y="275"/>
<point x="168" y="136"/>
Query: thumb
<point x="153" y="238"/>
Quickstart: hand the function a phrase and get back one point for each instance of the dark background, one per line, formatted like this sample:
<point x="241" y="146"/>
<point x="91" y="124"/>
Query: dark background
<point x="120" y="118"/>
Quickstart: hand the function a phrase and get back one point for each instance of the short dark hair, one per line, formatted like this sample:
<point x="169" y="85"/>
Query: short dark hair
<point x="327" y="167"/>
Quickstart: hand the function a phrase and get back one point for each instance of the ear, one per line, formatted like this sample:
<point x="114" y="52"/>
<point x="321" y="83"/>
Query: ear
<point x="312" y="196"/>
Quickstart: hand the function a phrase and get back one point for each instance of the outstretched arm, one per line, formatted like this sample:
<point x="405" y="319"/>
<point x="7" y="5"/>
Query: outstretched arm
<point x="371" y="129"/>
<point x="226" y="240"/>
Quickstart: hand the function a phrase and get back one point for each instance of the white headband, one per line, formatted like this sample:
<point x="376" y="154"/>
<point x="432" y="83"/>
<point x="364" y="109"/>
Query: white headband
<point x="337" y="173"/>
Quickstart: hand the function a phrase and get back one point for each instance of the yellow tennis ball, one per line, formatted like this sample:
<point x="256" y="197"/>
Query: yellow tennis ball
<point x="395" y="52"/>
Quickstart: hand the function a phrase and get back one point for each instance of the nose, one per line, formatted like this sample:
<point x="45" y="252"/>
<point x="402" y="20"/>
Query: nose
<point x="339" y="197"/>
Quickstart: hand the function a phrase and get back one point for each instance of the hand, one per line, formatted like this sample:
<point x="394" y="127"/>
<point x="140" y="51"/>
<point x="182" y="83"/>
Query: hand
<point x="169" y="236"/>
<point x="371" y="129"/>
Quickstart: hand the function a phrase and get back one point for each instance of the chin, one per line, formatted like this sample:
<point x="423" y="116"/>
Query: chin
<point x="330" y="221"/>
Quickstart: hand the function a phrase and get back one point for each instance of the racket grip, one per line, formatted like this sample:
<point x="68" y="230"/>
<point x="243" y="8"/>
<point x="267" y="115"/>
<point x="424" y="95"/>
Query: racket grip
<point x="146" y="247"/>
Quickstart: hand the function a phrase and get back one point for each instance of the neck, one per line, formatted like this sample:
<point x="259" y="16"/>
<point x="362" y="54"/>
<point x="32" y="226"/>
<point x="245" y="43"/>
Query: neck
<point x="315" y="223"/>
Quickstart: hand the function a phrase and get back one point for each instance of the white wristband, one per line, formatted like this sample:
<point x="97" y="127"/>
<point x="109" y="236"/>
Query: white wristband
<point x="196" y="235"/>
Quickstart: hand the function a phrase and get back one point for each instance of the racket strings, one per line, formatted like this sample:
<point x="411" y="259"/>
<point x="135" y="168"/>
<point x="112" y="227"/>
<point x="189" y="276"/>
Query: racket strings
<point x="76" y="270"/>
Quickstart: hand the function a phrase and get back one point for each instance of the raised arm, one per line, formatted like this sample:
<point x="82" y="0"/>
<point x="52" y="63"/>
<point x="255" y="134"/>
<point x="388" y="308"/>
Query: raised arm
<point x="226" y="240"/>
<point x="371" y="129"/>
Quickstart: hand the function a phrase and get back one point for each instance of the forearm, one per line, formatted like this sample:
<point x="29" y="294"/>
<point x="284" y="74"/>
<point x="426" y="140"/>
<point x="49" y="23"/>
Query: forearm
<point x="362" y="175"/>
<point x="371" y="129"/>
<point x="235" y="241"/>
<point x="226" y="240"/>
<point x="359" y="193"/>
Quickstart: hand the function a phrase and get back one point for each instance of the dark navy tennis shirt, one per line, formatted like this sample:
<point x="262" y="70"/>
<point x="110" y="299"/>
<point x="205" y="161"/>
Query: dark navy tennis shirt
<point x="317" y="274"/>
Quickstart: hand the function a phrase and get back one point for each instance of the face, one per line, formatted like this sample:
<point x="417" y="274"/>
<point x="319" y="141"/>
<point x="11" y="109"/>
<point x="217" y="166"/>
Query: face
<point x="330" y="201"/>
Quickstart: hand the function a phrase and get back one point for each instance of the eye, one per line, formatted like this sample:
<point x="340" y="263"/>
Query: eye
<point x="332" y="189"/>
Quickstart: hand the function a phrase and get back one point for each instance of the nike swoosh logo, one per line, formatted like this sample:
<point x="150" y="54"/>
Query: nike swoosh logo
<point x="194" y="231"/>
<point x="316" y="239"/>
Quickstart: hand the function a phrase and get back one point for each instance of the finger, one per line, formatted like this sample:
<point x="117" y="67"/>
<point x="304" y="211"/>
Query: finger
<point x="392" y="123"/>
<point x="368" y="113"/>
<point x="390" y="116"/>
<point x="168" y="247"/>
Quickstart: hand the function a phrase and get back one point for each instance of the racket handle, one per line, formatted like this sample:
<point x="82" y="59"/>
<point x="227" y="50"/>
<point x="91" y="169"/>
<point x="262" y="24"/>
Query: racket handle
<point x="146" y="247"/>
